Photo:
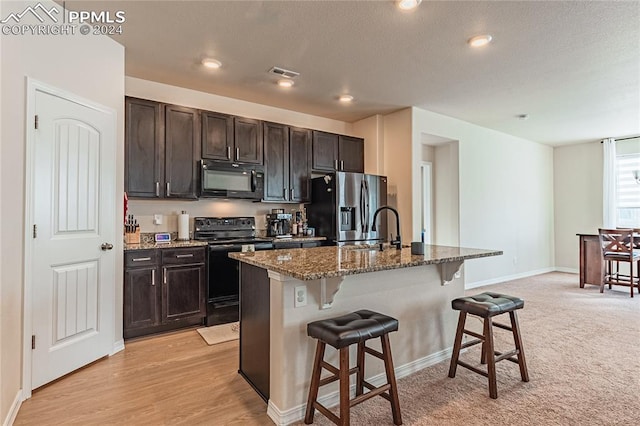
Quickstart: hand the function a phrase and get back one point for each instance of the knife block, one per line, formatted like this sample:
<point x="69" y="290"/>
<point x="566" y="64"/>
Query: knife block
<point x="132" y="237"/>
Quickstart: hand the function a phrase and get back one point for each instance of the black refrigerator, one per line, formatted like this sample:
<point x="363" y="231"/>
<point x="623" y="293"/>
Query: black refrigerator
<point x="342" y="207"/>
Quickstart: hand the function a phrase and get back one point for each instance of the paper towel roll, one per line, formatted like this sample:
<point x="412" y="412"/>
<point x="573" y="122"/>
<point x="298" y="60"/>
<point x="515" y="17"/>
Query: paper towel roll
<point x="183" y="226"/>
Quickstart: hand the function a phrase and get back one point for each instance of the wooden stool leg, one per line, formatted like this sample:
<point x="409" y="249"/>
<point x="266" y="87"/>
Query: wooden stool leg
<point x="391" y="379"/>
<point x="631" y="277"/>
<point x="522" y="363"/>
<point x="344" y="386"/>
<point x="490" y="357"/>
<point x="360" y="372"/>
<point x="456" y="344"/>
<point x="315" y="382"/>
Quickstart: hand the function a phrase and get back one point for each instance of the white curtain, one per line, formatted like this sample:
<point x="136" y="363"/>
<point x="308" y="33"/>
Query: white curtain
<point x="609" y="181"/>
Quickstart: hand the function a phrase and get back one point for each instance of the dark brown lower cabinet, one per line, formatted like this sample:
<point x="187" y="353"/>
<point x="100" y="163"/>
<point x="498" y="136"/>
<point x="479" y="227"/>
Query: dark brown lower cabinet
<point x="254" y="327"/>
<point x="164" y="289"/>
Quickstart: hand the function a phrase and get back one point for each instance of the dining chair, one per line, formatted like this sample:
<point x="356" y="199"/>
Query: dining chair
<point x="620" y="245"/>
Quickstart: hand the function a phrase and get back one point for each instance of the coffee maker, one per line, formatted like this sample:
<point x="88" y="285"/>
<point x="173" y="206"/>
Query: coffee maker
<point x="278" y="224"/>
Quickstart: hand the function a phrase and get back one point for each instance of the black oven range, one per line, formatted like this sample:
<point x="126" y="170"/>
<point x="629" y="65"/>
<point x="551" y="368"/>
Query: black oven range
<point x="225" y="235"/>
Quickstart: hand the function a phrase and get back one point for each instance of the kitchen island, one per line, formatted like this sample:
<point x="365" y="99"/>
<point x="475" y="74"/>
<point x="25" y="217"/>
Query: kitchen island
<point x="283" y="290"/>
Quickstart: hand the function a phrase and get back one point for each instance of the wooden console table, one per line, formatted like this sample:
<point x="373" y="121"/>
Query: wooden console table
<point x="591" y="263"/>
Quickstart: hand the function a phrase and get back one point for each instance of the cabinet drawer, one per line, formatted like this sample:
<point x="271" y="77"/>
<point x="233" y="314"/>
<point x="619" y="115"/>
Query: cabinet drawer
<point x="183" y="256"/>
<point x="137" y="258"/>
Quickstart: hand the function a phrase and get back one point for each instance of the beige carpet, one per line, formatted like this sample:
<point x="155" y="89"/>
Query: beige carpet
<point x="583" y="354"/>
<point x="220" y="333"/>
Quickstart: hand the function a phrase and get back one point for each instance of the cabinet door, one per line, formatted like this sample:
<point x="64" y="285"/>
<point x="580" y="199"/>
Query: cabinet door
<point x="325" y="151"/>
<point x="141" y="298"/>
<point x="351" y="153"/>
<point x="217" y="136"/>
<point x="144" y="148"/>
<point x="248" y="140"/>
<point x="276" y="165"/>
<point x="182" y="144"/>
<point x="183" y="292"/>
<point x="299" y="165"/>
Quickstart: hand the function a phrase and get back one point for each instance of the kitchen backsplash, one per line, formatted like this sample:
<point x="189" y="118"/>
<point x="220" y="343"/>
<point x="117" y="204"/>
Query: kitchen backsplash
<point x="144" y="211"/>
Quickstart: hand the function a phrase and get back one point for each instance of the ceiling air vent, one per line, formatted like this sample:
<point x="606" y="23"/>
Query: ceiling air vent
<point x="283" y="73"/>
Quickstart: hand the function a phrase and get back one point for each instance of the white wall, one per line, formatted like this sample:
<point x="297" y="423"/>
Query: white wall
<point x="372" y="130"/>
<point x="145" y="209"/>
<point x="88" y="66"/>
<point x="577" y="192"/>
<point x="505" y="196"/>
<point x="446" y="198"/>
<point x="397" y="167"/>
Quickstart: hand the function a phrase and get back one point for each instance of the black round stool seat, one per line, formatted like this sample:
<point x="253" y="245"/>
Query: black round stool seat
<point x="352" y="328"/>
<point x="487" y="304"/>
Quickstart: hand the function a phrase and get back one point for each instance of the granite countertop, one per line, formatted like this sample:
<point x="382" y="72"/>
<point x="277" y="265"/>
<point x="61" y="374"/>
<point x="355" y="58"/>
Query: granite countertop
<point x="173" y="244"/>
<point x="324" y="262"/>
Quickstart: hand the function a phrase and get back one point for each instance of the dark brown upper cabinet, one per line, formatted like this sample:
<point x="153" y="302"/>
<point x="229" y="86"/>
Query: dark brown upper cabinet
<point x="287" y="160"/>
<point x="351" y="154"/>
<point x="182" y="151"/>
<point x="162" y="146"/>
<point x="332" y="152"/>
<point x="248" y="140"/>
<point x="217" y="136"/>
<point x="229" y="138"/>
<point x="144" y="148"/>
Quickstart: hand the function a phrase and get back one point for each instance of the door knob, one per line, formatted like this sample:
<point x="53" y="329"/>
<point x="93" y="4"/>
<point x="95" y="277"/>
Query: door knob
<point x="106" y="246"/>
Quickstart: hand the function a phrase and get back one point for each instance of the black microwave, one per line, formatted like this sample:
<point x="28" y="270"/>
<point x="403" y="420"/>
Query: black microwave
<point x="231" y="180"/>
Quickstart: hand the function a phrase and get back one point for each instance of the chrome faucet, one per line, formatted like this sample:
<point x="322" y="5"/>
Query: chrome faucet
<point x="397" y="242"/>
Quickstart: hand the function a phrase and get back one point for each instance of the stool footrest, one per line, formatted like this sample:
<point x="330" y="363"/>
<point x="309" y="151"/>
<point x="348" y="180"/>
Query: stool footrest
<point x="373" y="352"/>
<point x="374" y="392"/>
<point x="473" y="333"/>
<point x="470" y="343"/>
<point x="507" y="355"/>
<point x="371" y="387"/>
<point x="334" y="377"/>
<point x="502" y="326"/>
<point x="330" y="367"/>
<point x="472" y="368"/>
<point x="324" y="410"/>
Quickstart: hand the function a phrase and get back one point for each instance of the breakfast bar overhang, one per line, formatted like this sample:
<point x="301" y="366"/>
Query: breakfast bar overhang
<point x="283" y="290"/>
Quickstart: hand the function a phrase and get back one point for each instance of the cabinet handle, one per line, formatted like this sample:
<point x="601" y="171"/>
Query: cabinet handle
<point x="336" y="162"/>
<point x="238" y="154"/>
<point x="153" y="277"/>
<point x="229" y="152"/>
<point x="164" y="275"/>
<point x="168" y="188"/>
<point x="292" y="192"/>
<point x="284" y="193"/>
<point x="341" y="164"/>
<point x="141" y="259"/>
<point x="180" y="256"/>
<point x="157" y="189"/>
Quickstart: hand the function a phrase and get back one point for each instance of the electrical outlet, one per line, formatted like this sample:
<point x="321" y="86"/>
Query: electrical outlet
<point x="157" y="219"/>
<point x="300" y="296"/>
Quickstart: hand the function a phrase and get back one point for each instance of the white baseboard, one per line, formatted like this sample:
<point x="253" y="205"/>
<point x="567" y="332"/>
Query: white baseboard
<point x="476" y="284"/>
<point x="117" y="347"/>
<point x="292" y="415"/>
<point x="13" y="410"/>
<point x="568" y="270"/>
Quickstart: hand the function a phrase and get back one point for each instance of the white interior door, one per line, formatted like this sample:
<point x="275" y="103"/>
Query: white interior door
<point x="72" y="199"/>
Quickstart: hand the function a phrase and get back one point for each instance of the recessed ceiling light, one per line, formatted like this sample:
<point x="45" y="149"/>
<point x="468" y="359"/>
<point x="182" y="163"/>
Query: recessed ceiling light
<point x="345" y="98"/>
<point x="481" y="40"/>
<point x="285" y="82"/>
<point x="408" y="4"/>
<point x="211" y="63"/>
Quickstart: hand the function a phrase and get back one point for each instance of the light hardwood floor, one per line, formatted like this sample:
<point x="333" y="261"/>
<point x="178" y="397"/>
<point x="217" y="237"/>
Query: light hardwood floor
<point x="166" y="380"/>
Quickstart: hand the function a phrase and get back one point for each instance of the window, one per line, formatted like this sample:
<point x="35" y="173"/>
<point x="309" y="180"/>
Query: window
<point x="627" y="191"/>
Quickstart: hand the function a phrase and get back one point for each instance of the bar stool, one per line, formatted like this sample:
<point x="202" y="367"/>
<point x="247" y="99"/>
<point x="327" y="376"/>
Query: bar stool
<point x="487" y="305"/>
<point x="342" y="332"/>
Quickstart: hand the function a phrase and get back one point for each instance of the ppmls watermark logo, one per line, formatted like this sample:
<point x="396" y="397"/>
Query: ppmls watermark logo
<point x="40" y="20"/>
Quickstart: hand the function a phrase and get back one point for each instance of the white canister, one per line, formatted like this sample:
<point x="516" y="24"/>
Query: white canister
<point x="183" y="226"/>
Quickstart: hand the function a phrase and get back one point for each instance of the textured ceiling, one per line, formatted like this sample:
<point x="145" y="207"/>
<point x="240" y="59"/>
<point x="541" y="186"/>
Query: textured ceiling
<point x="573" y="66"/>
